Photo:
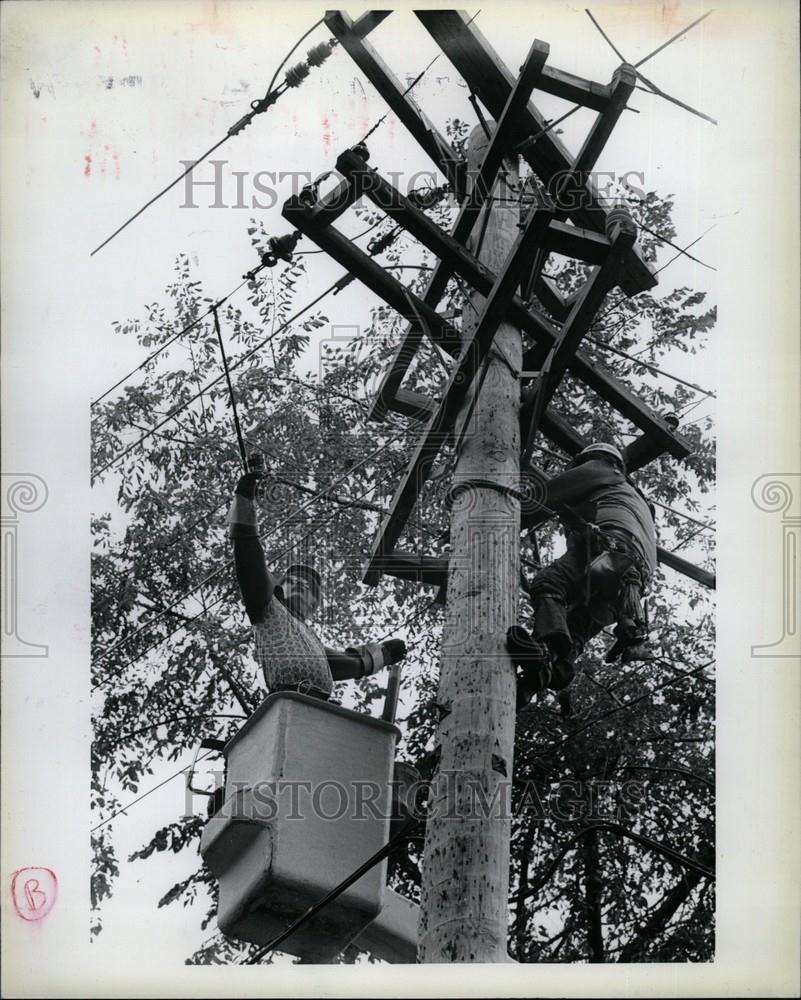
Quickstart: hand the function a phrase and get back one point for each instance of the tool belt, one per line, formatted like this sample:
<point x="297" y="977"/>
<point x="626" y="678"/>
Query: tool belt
<point x="616" y="583"/>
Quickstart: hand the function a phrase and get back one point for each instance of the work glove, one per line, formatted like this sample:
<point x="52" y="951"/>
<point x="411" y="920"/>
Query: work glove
<point x="242" y="519"/>
<point x="246" y="487"/>
<point x="374" y="656"/>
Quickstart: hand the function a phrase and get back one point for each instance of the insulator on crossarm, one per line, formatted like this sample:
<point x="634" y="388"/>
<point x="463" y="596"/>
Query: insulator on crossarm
<point x="296" y="75"/>
<point x="318" y="54"/>
<point x="620" y="215"/>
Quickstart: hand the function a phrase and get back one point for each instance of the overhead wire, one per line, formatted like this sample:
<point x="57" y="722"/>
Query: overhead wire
<point x="144" y="795"/>
<point x="176" y="336"/>
<point x="648" y="83"/>
<point x="315" y="58"/>
<point x="103" y="653"/>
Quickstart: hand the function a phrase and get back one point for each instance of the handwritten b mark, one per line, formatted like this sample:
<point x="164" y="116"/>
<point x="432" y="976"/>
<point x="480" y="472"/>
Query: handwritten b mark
<point x="33" y="891"/>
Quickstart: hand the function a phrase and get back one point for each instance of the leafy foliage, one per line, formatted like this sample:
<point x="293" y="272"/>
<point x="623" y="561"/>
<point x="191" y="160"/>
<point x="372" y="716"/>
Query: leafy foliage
<point x="613" y="877"/>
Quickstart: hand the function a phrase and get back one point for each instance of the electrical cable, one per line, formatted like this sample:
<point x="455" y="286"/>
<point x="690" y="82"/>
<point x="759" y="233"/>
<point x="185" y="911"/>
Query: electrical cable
<point x="144" y="795"/>
<point x="231" y="395"/>
<point x="648" y="83"/>
<point x="650" y="367"/>
<point x="294" y="77"/>
<point x="102" y="654"/>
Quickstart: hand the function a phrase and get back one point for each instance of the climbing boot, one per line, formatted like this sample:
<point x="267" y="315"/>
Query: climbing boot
<point x="532" y="659"/>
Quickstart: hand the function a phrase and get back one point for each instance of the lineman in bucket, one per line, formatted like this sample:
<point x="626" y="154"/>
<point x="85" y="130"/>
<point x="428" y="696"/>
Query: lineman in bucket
<point x="288" y="651"/>
<point x="601" y="578"/>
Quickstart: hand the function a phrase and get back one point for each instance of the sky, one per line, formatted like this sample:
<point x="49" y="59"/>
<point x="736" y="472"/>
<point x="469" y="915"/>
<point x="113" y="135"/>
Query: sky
<point x="101" y="104"/>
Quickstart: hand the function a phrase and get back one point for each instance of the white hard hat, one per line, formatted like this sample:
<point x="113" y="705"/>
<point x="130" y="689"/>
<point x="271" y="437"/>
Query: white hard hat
<point x="601" y="448"/>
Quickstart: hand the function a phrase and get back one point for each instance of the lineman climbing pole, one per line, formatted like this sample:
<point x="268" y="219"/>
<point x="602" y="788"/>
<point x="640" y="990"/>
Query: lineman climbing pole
<point x="466" y="865"/>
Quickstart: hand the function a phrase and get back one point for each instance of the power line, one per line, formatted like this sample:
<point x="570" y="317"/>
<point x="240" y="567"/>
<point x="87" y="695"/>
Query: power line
<point x="243" y="357"/>
<point x="413" y="84"/>
<point x="648" y="83"/>
<point x="294" y="77"/>
<point x="687" y="517"/>
<point x="287" y="520"/>
<point x="670" y="41"/>
<point x="650" y="367"/>
<point x="150" y="791"/>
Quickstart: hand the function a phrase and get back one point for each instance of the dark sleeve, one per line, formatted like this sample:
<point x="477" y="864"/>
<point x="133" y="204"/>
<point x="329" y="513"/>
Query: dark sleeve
<point x="255" y="581"/>
<point x="575" y="485"/>
<point x="344" y="666"/>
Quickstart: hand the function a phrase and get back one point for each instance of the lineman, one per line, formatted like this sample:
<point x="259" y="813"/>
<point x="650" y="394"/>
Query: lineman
<point x="601" y="578"/>
<point x="288" y="651"/>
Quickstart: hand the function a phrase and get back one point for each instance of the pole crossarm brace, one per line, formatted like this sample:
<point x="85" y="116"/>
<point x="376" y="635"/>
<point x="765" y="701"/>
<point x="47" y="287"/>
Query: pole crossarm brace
<point x="351" y="36"/>
<point x="455" y="257"/>
<point x="365" y="268"/>
<point x="461" y="378"/>
<point x="488" y="77"/>
<point x="463" y="226"/>
<point x="582" y="314"/>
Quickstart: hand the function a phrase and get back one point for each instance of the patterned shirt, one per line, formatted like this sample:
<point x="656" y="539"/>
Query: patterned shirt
<point x="289" y="652"/>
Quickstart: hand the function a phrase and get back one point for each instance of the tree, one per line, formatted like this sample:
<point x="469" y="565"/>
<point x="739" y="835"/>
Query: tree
<point x="614" y="822"/>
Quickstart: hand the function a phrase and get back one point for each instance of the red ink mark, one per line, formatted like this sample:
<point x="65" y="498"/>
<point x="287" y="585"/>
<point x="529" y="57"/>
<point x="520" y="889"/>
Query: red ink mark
<point x="87" y="170"/>
<point x="326" y="132"/>
<point x="116" y="158"/>
<point x="33" y="891"/>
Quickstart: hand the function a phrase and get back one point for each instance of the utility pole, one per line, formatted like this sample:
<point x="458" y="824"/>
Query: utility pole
<point x="465" y="873"/>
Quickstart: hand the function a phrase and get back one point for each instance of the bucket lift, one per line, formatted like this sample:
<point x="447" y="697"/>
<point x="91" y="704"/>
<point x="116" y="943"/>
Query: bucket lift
<point x="307" y="800"/>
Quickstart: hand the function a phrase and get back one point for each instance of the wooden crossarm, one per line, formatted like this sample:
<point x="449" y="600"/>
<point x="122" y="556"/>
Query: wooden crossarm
<point x="582" y="314"/>
<point x="363" y="25"/>
<point x="481" y="278"/>
<point x="367" y="270"/>
<point x="620" y="90"/>
<point x="458" y="385"/>
<point x="473" y="57"/>
<point x="389" y="87"/>
<point x="353" y="259"/>
<point x="465" y="221"/>
<point x="575" y="89"/>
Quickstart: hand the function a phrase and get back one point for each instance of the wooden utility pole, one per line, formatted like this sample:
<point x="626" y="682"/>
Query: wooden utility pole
<point x="465" y="883"/>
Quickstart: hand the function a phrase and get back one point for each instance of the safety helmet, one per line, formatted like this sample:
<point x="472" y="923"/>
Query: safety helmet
<point x="600" y="448"/>
<point x="307" y="573"/>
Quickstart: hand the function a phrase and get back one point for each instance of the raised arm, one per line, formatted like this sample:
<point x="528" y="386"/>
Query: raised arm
<point x="256" y="583"/>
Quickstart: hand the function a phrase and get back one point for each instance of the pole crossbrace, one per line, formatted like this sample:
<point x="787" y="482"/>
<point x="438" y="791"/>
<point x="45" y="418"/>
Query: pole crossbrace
<point x="461" y="378"/>
<point x="487" y="76"/>
<point x="556" y="337"/>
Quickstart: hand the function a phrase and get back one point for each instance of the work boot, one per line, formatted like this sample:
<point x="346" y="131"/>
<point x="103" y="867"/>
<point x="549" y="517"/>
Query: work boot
<point x="565" y="704"/>
<point x="532" y="658"/>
